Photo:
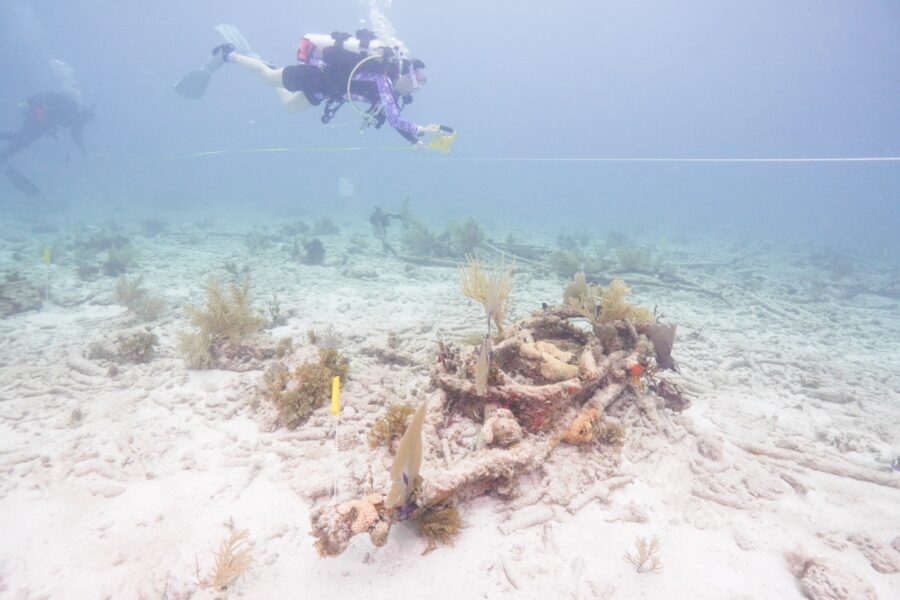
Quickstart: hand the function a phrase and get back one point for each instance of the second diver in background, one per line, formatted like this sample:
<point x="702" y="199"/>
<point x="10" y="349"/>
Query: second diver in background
<point x="44" y="115"/>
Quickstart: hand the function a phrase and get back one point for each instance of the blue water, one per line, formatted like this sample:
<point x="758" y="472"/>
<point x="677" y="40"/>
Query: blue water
<point x="564" y="79"/>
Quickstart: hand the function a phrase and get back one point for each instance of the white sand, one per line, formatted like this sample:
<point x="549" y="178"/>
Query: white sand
<point x="130" y="499"/>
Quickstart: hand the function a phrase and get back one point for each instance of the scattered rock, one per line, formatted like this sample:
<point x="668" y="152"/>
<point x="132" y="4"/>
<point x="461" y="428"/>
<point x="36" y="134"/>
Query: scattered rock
<point x="107" y="490"/>
<point x="18" y="296"/>
<point x="501" y="429"/>
<point x="675" y="399"/>
<point x="837" y="396"/>
<point x="710" y="447"/>
<point x="823" y="579"/>
<point x="879" y="555"/>
<point x="75" y="417"/>
<point x="134" y="345"/>
<point x="633" y="513"/>
<point x="744" y="540"/>
<point x="358" y="272"/>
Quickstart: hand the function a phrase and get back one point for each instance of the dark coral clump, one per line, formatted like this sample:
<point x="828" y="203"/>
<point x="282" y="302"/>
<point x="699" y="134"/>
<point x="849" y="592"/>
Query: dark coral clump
<point x="439" y="526"/>
<point x="391" y="425"/>
<point x="611" y="434"/>
<point x="137" y="345"/>
<point x="311" y="252"/>
<point x="17" y="295"/>
<point x="296" y="394"/>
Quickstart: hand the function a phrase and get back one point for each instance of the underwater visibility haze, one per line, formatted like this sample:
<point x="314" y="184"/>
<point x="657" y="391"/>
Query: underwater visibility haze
<point x="568" y="299"/>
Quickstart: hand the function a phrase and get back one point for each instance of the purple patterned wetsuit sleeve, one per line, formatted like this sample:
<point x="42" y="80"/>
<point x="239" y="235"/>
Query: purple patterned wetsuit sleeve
<point x="407" y="129"/>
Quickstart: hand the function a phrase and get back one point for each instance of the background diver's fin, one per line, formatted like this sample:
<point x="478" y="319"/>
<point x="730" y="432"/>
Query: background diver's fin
<point x="23" y="183"/>
<point x="193" y="85"/>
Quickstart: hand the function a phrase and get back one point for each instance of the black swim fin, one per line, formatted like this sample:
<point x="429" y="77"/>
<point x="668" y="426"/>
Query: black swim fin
<point x="23" y="183"/>
<point x="193" y="85"/>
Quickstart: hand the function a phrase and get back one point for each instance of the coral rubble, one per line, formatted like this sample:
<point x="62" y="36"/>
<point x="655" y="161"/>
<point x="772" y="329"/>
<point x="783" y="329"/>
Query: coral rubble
<point x="546" y="379"/>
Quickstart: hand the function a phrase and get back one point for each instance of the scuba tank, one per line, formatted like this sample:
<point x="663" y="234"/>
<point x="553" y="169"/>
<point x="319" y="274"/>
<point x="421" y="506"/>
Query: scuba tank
<point x="364" y="43"/>
<point x="341" y="55"/>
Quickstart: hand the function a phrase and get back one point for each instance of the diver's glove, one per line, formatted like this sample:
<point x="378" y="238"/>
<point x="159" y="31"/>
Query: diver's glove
<point x="428" y="130"/>
<point x="219" y="57"/>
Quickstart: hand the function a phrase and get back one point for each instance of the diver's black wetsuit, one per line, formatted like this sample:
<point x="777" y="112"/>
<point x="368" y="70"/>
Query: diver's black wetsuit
<point x="46" y="114"/>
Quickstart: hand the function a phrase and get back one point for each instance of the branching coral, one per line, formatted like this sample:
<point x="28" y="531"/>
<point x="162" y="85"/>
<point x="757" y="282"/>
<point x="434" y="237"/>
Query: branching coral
<point x="490" y="289"/>
<point x="296" y="394"/>
<point x="416" y="236"/>
<point x="129" y="290"/>
<point x="614" y="307"/>
<point x="228" y="314"/>
<point x="119" y="259"/>
<point x="646" y="557"/>
<point x="196" y="349"/>
<point x="130" y="293"/>
<point x="603" y="306"/>
<point x="232" y="561"/>
<point x="227" y="317"/>
<point x="466" y="235"/>
<point x="565" y="263"/>
<point x="391" y="425"/>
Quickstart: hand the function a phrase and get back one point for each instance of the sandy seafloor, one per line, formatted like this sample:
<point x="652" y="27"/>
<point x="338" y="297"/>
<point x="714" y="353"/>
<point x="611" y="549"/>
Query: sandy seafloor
<point x="787" y="447"/>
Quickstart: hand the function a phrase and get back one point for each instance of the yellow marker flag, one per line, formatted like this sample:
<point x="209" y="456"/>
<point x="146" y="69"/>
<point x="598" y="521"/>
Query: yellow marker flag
<point x="45" y="255"/>
<point x="335" y="396"/>
<point x="442" y="143"/>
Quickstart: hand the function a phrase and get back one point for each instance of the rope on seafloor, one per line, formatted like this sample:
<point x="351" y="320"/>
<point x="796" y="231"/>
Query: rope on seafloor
<point x="517" y="257"/>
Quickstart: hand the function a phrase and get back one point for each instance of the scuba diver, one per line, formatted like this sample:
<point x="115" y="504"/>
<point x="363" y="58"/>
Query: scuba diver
<point x="380" y="221"/>
<point x="333" y="69"/>
<point x="45" y="115"/>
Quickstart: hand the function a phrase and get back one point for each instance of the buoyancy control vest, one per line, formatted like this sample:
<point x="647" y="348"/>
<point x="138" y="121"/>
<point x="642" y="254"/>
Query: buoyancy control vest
<point x="340" y="54"/>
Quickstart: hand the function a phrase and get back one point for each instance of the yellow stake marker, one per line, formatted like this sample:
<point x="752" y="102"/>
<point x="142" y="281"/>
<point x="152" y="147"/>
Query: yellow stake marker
<point x="335" y="396"/>
<point x="45" y="255"/>
<point x="335" y="412"/>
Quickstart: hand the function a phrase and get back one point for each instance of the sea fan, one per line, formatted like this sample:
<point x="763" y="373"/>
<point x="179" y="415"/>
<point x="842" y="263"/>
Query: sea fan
<point x="406" y="465"/>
